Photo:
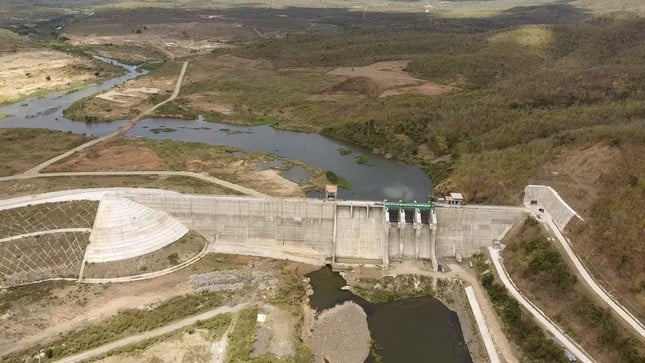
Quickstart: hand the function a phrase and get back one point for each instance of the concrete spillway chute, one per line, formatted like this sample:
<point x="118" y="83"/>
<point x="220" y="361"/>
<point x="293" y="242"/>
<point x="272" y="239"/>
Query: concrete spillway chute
<point x="124" y="229"/>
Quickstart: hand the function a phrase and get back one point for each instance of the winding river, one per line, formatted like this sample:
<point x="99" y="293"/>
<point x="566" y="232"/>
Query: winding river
<point x="379" y="178"/>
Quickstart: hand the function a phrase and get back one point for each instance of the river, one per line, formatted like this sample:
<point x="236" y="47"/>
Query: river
<point x="379" y="178"/>
<point x="419" y="329"/>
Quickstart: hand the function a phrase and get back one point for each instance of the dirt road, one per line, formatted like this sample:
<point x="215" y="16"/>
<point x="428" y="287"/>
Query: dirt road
<point x="123" y="130"/>
<point x="153" y="333"/>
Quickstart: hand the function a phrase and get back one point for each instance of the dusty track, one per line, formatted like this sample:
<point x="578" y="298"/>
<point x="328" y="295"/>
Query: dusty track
<point x="180" y="79"/>
<point x="190" y="174"/>
<point x="152" y="333"/>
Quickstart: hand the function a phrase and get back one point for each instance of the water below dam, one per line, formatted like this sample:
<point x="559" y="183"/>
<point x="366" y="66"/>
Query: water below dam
<point x="410" y="330"/>
<point x="376" y="179"/>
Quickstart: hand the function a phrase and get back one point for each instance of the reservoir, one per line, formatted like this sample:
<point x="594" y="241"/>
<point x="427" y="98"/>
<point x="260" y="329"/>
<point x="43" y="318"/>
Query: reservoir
<point x="377" y="179"/>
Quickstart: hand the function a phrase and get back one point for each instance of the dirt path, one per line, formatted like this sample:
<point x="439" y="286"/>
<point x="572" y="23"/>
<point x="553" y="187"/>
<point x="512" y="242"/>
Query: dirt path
<point x="153" y="333"/>
<point x="123" y="130"/>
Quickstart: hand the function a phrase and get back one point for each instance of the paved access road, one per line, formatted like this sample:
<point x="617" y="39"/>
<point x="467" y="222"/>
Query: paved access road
<point x="618" y="309"/>
<point x="538" y="315"/>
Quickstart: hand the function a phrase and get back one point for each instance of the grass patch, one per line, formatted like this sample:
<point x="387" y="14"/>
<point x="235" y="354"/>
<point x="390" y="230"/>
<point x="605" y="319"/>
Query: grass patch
<point x="520" y="328"/>
<point x="343" y="151"/>
<point x="538" y="268"/>
<point x="338" y="180"/>
<point x="361" y="159"/>
<point x="267" y="120"/>
<point x="123" y="324"/>
<point x="9" y="189"/>
<point x="391" y="288"/>
<point x="21" y="149"/>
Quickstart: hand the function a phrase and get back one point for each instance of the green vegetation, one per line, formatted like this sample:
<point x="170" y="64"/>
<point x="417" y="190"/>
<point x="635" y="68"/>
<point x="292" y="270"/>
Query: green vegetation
<point x="21" y="149"/>
<point x="124" y="323"/>
<point x="29" y="294"/>
<point x="267" y="120"/>
<point x="520" y="328"/>
<point x="343" y="151"/>
<point x="338" y="180"/>
<point x="393" y="288"/>
<point x="361" y="159"/>
<point x="290" y="291"/>
<point x="544" y="276"/>
<point x="216" y="326"/>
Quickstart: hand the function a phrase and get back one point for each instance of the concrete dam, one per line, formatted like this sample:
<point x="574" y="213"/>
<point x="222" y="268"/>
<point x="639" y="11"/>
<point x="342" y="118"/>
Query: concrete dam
<point x="56" y="235"/>
<point x="337" y="232"/>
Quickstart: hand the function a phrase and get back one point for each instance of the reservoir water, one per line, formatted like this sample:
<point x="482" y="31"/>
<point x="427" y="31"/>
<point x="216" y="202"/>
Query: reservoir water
<point x="378" y="179"/>
<point x="411" y="330"/>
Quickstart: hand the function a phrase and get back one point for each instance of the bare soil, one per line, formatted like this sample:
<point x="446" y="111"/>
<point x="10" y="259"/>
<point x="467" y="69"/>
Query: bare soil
<point x="389" y="78"/>
<point x="30" y="72"/>
<point x="129" y="99"/>
<point x="575" y="173"/>
<point x="276" y="334"/>
<point x="137" y="154"/>
<point x="123" y="157"/>
<point x="173" y="254"/>
<point x="181" y="347"/>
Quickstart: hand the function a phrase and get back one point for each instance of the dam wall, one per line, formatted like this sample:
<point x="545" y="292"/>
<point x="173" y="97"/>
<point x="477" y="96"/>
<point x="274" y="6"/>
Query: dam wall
<point x="337" y="232"/>
<point x="464" y="230"/>
<point x="306" y="230"/>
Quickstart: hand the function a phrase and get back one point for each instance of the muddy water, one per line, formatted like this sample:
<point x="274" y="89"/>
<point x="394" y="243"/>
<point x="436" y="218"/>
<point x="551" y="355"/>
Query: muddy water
<point x="377" y="179"/>
<point x="47" y="112"/>
<point x="408" y="330"/>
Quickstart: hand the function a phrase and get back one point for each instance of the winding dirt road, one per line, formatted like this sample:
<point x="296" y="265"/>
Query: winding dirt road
<point x="180" y="80"/>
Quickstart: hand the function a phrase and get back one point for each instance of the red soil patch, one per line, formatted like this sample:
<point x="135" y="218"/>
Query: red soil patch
<point x="114" y="158"/>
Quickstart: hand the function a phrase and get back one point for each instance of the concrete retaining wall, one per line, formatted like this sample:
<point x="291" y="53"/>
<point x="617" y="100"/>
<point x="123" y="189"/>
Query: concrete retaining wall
<point x="466" y="229"/>
<point x="547" y="198"/>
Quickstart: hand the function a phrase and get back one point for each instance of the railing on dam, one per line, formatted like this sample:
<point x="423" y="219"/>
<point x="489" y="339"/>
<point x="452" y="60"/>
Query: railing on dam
<point x="409" y="205"/>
